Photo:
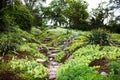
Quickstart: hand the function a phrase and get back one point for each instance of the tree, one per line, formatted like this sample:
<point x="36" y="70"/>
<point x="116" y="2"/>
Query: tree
<point x="35" y="7"/>
<point x="115" y="3"/>
<point x="12" y="12"/>
<point x="99" y="15"/>
<point x="76" y="13"/>
<point x="54" y="12"/>
<point x="71" y="13"/>
<point x="114" y="24"/>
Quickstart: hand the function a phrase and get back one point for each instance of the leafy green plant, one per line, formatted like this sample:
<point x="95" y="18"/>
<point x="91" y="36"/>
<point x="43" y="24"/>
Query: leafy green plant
<point x="99" y="36"/>
<point x="30" y="70"/>
<point x="23" y="17"/>
<point x="5" y="20"/>
<point x="78" y="72"/>
<point x="72" y="69"/>
<point x="74" y="45"/>
<point x="111" y="52"/>
<point x="115" y="67"/>
<point x="32" y="49"/>
<point x="59" y="56"/>
<point x="7" y="45"/>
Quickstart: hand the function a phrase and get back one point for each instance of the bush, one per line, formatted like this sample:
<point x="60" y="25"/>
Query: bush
<point x="32" y="49"/>
<point x="115" y="67"/>
<point x="99" y="36"/>
<point x="5" y="20"/>
<point x="15" y="15"/>
<point x="59" y="56"/>
<point x="28" y="70"/>
<point x="10" y="41"/>
<point x="7" y="45"/>
<point x="22" y="17"/>
<point x="77" y="72"/>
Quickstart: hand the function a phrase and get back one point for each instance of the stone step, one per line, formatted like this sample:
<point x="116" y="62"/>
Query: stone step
<point x="43" y="61"/>
<point x="51" y="71"/>
<point x="52" y="55"/>
<point x="55" y="51"/>
<point x="51" y="77"/>
<point x="51" y="48"/>
<point x="50" y="59"/>
<point x="53" y="67"/>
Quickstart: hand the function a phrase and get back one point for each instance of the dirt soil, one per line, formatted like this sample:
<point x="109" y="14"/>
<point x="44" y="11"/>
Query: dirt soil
<point x="19" y="55"/>
<point x="102" y="63"/>
<point x="7" y="75"/>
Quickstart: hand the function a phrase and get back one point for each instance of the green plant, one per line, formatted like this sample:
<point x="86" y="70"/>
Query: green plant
<point x="59" y="56"/>
<point x="5" y="20"/>
<point x="30" y="70"/>
<point x="115" y="67"/>
<point x="74" y="45"/>
<point x="111" y="52"/>
<point x="99" y="36"/>
<point x="23" y="17"/>
<point x="7" y="45"/>
<point x="4" y="66"/>
<point x="32" y="49"/>
<point x="78" y="72"/>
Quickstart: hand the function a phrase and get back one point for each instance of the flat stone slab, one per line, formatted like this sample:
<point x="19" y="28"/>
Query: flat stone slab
<point x="41" y="60"/>
<point x="51" y="48"/>
<point x="55" y="51"/>
<point x="51" y="77"/>
<point x="52" y="55"/>
<point x="53" y="67"/>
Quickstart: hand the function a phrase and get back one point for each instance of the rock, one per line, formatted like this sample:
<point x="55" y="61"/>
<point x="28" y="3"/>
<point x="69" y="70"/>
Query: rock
<point x="76" y="36"/>
<point x="43" y="50"/>
<point x="47" y="39"/>
<point x="51" y="48"/>
<point x="118" y="59"/>
<point x="52" y="77"/>
<point x="55" y="51"/>
<point x="52" y="55"/>
<point x="104" y="73"/>
<point x="50" y="59"/>
<point x="64" y="46"/>
<point x="49" y="52"/>
<point x="43" y="61"/>
<point x="24" y="39"/>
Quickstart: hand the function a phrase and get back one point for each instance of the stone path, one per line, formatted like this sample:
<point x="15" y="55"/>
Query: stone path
<point x="53" y="65"/>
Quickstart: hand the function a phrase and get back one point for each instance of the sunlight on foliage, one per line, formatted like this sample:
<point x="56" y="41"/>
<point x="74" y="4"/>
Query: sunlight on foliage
<point x="32" y="49"/>
<point x="28" y="69"/>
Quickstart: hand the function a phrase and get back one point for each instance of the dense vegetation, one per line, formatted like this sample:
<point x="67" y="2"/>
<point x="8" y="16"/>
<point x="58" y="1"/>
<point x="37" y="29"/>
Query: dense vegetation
<point x="86" y="45"/>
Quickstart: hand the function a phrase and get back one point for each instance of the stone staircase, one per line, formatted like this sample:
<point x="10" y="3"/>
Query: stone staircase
<point x="53" y="65"/>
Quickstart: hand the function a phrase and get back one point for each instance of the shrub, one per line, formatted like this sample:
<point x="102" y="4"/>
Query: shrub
<point x="32" y="49"/>
<point x="7" y="45"/>
<point x="115" y="67"/>
<point x="77" y="72"/>
<point x="5" y="20"/>
<point x="59" y="56"/>
<point x="28" y="70"/>
<point x="99" y="36"/>
<point x="75" y="44"/>
<point x="15" y="15"/>
<point x="22" y="17"/>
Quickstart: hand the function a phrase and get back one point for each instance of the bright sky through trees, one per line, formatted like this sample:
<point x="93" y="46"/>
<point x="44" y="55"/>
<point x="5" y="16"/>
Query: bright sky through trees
<point x="92" y="3"/>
